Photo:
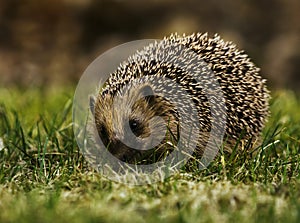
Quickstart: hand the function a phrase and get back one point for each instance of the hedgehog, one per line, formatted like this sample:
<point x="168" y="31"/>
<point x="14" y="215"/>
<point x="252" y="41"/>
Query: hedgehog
<point x="180" y="93"/>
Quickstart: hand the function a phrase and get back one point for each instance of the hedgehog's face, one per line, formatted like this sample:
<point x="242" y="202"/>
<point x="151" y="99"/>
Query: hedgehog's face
<point x="135" y="124"/>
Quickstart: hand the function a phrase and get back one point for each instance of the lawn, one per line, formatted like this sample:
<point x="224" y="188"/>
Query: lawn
<point x="44" y="177"/>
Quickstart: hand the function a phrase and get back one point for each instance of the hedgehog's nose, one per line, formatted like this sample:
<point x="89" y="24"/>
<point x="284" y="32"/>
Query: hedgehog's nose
<point x="119" y="150"/>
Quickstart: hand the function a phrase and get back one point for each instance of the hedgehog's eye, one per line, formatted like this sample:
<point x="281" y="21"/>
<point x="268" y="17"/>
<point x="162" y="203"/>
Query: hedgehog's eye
<point x="136" y="127"/>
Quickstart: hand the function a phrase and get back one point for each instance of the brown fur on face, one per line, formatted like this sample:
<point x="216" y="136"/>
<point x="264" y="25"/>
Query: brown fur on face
<point x="140" y="112"/>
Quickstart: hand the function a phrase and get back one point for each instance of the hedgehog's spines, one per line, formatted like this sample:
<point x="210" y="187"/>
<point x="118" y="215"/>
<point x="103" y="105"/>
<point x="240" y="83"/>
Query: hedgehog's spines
<point x="245" y="94"/>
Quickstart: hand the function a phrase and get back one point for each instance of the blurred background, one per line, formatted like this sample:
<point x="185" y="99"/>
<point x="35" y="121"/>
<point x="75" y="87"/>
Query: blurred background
<point x="51" y="42"/>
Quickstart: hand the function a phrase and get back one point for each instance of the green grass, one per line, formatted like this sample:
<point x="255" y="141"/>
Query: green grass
<point x="44" y="177"/>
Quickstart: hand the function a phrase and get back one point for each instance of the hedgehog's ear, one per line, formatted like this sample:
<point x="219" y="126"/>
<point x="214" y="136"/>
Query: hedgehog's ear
<point x="147" y="92"/>
<point x="92" y="104"/>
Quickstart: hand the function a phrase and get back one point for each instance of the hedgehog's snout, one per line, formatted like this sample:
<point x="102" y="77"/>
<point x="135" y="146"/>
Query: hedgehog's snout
<point x="122" y="152"/>
<point x="116" y="146"/>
